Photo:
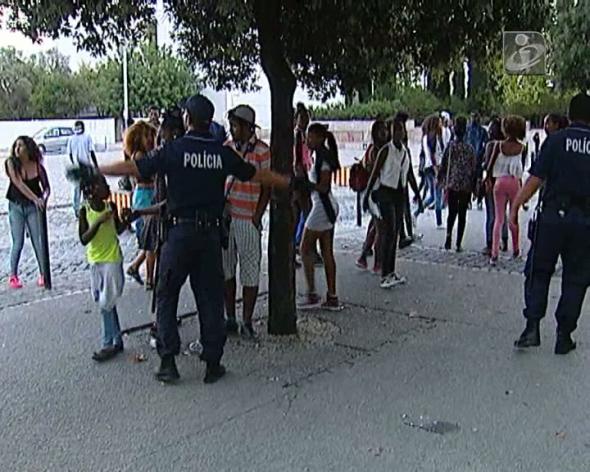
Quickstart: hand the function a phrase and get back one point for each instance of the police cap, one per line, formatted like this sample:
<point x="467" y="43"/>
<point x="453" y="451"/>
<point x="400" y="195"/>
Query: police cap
<point x="200" y="109"/>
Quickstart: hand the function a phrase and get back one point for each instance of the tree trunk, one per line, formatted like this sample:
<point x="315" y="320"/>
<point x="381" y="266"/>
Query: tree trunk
<point x="459" y="82"/>
<point x="282" y="317"/>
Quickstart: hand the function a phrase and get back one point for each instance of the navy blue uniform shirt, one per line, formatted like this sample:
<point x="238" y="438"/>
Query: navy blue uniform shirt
<point x="196" y="166"/>
<point x="564" y="163"/>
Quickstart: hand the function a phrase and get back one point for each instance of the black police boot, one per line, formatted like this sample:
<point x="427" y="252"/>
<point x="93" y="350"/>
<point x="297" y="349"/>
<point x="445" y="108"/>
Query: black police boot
<point x="214" y="372"/>
<point x="564" y="343"/>
<point x="530" y="336"/>
<point x="167" y="372"/>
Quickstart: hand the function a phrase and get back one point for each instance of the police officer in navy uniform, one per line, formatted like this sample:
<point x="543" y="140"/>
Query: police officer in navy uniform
<point x="562" y="228"/>
<point x="196" y="166"/>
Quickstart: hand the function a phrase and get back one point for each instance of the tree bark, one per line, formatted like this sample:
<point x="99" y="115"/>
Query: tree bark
<point x="282" y="317"/>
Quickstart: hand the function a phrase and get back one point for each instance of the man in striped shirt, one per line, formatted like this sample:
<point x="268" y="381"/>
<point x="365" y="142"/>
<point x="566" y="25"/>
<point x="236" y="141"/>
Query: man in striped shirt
<point x="246" y="204"/>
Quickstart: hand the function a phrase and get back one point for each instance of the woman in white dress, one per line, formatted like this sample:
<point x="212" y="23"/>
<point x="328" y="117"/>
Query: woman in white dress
<point x="320" y="222"/>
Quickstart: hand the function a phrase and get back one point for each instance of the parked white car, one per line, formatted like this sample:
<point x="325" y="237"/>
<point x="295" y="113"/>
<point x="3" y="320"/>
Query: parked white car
<point x="53" y="140"/>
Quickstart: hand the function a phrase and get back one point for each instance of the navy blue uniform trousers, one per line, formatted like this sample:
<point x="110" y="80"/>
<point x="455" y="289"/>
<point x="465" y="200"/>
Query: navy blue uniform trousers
<point x="566" y="235"/>
<point x="197" y="255"/>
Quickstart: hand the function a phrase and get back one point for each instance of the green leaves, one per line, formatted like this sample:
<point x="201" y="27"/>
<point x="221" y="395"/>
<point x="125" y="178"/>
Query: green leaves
<point x="570" y="44"/>
<point x="43" y="86"/>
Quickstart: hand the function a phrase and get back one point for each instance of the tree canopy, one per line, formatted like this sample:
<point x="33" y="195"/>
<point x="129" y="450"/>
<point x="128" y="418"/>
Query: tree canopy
<point x="44" y="86"/>
<point x="326" y="45"/>
<point x="570" y="39"/>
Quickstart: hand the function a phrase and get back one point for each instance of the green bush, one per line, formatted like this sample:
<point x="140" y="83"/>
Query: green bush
<point x="420" y="103"/>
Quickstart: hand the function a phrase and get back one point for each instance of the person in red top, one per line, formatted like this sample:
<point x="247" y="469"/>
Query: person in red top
<point x="246" y="204"/>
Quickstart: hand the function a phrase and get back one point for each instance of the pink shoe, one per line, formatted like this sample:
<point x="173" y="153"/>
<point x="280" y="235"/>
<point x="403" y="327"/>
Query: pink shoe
<point x="377" y="270"/>
<point x="14" y="282"/>
<point x="41" y="281"/>
<point x="310" y="301"/>
<point x="361" y="263"/>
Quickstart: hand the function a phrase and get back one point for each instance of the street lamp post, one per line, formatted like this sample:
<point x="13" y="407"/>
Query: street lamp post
<point x="125" y="89"/>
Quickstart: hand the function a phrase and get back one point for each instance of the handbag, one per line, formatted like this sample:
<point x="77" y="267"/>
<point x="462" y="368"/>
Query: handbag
<point x="446" y="192"/>
<point x="124" y="184"/>
<point x="489" y="180"/>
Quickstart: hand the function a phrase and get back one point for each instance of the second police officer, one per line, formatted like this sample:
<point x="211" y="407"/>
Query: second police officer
<point x="562" y="228"/>
<point x="196" y="167"/>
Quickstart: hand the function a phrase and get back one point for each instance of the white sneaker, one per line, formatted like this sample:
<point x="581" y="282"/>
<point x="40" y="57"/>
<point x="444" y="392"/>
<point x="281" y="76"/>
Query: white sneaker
<point x="392" y="280"/>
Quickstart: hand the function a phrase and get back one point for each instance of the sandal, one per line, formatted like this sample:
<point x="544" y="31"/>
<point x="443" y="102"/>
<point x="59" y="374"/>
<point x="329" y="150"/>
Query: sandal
<point x="134" y="274"/>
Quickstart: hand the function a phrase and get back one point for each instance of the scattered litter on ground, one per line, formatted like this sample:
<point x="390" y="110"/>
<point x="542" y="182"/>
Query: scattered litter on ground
<point x="560" y="434"/>
<point x="431" y="426"/>
<point x="139" y="357"/>
<point x="376" y="451"/>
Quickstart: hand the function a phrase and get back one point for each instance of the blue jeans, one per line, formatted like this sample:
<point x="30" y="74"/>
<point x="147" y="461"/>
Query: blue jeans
<point x="111" y="328"/>
<point x="299" y="229"/>
<point x="76" y="196"/>
<point x="435" y="195"/>
<point x="21" y="216"/>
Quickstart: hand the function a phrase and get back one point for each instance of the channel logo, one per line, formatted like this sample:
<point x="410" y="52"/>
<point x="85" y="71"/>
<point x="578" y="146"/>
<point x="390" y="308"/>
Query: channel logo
<point x="524" y="53"/>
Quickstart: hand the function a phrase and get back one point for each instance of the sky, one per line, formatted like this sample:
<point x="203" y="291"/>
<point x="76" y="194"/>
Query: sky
<point x="223" y="101"/>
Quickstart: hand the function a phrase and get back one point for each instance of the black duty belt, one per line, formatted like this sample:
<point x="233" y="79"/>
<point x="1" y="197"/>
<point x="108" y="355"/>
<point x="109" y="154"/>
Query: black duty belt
<point x="567" y="202"/>
<point x="199" y="221"/>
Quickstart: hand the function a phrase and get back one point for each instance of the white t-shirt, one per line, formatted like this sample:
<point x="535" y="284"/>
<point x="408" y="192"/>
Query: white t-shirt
<point x="79" y="147"/>
<point x="446" y="136"/>
<point x="438" y="152"/>
<point x="395" y="168"/>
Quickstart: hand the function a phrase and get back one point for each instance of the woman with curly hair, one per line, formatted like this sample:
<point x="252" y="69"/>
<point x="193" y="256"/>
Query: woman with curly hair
<point x="27" y="195"/>
<point x="504" y="176"/>
<point x="139" y="140"/>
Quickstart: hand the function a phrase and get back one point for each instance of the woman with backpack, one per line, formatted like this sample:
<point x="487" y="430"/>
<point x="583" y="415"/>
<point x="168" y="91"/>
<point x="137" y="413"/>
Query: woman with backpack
<point x="457" y="177"/>
<point x="380" y="137"/>
<point x="319" y="225"/>
<point x="393" y="170"/>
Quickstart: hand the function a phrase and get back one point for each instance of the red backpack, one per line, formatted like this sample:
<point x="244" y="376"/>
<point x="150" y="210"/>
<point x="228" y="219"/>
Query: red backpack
<point x="359" y="177"/>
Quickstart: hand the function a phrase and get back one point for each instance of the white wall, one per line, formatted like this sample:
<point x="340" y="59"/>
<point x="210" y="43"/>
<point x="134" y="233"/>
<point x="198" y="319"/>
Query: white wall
<point x="101" y="130"/>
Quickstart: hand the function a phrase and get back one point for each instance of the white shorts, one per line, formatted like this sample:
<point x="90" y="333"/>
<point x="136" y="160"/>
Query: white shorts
<point x="245" y="247"/>
<point x="318" y="220"/>
<point x="106" y="283"/>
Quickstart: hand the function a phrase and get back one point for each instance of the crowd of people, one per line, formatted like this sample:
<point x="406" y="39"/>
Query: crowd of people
<point x="461" y="165"/>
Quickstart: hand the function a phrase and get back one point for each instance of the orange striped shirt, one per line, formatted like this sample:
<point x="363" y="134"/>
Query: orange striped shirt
<point x="243" y="197"/>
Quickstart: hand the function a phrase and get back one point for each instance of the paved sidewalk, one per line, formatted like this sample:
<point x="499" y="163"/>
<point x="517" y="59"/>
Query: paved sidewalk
<point x="357" y="390"/>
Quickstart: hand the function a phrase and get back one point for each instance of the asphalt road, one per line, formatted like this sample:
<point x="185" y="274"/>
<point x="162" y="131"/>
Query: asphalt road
<point x="358" y="390"/>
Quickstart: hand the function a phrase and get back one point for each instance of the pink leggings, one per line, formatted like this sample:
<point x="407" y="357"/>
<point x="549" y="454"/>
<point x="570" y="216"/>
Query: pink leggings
<point x="505" y="191"/>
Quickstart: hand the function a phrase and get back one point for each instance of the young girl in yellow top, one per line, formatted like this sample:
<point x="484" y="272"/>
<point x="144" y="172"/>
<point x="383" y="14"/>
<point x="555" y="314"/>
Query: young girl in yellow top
<point x="99" y="227"/>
